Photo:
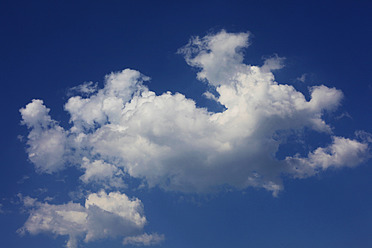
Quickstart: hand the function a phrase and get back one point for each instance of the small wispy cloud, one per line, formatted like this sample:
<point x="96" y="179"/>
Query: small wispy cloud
<point x="85" y="89"/>
<point x="144" y="239"/>
<point x="302" y="78"/>
<point x="343" y="115"/>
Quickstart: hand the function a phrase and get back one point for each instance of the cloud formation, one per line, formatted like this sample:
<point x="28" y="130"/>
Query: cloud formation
<point x="169" y="142"/>
<point x="103" y="215"/>
<point x="125" y="130"/>
<point x="47" y="141"/>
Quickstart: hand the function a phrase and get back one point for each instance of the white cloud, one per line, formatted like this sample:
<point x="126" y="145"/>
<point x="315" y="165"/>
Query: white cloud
<point x="167" y="141"/>
<point x="210" y="96"/>
<point x="46" y="140"/>
<point x="104" y="215"/>
<point x="342" y="152"/>
<point x="106" y="105"/>
<point x="144" y="239"/>
<point x="219" y="55"/>
<point x="273" y="63"/>
<point x="103" y="173"/>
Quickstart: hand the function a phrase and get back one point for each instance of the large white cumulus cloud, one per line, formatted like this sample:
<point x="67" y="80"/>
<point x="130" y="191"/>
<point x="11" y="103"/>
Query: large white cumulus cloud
<point x="124" y="129"/>
<point x="103" y="215"/>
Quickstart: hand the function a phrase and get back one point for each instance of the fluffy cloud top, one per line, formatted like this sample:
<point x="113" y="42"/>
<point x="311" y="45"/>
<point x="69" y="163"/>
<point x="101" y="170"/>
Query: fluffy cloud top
<point x="219" y="56"/>
<point x="167" y="141"/>
<point x="103" y="215"/>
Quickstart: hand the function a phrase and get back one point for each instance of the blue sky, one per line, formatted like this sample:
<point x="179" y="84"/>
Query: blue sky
<point x="262" y="141"/>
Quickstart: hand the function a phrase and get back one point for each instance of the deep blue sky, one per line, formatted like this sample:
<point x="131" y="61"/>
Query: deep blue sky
<point x="47" y="47"/>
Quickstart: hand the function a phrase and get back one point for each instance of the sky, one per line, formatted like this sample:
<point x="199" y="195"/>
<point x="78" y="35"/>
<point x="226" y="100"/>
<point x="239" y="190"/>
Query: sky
<point x="186" y="124"/>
